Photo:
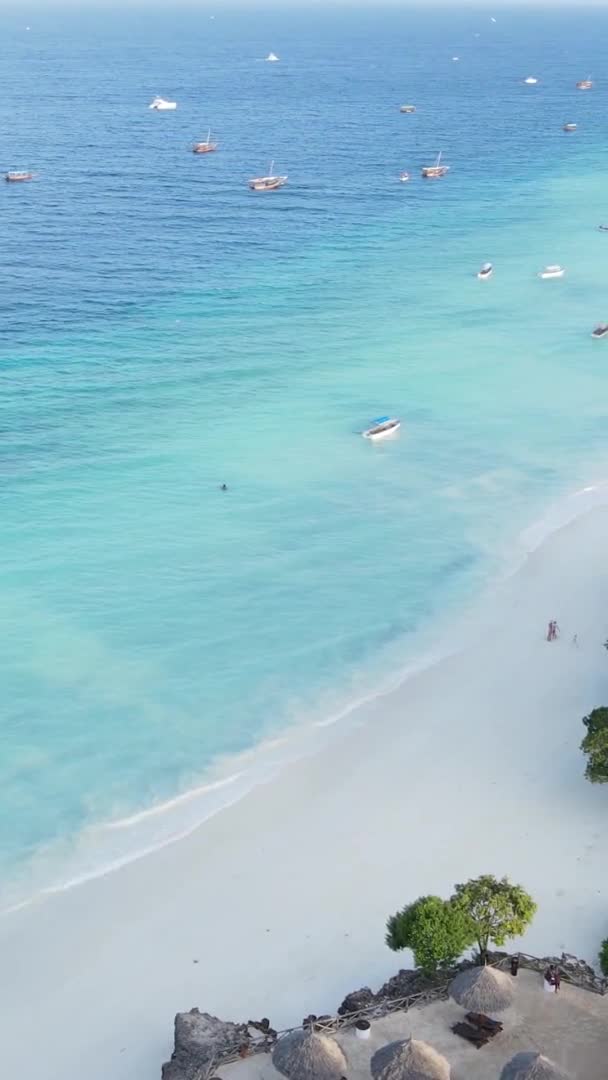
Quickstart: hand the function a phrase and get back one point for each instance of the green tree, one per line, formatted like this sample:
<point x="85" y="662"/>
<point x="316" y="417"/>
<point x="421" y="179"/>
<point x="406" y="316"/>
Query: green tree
<point x="604" y="957"/>
<point x="595" y="745"/>
<point x="435" y="931"/>
<point x="497" y="910"/>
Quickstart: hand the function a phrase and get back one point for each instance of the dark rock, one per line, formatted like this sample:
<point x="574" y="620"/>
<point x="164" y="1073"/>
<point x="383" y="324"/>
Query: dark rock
<point x="200" y="1040"/>
<point x="359" y="999"/>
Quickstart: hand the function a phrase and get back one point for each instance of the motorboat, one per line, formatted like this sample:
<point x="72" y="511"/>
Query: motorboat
<point x="161" y="104"/>
<point x="552" y="272"/>
<point x="584" y="84"/>
<point x="455" y="58"/>
<point x="404" y="177"/>
<point x="407" y="108"/>
<point x="600" y="331"/>
<point x="603" y="228"/>
<point x="18" y="176"/>
<point x="531" y="81"/>
<point x="271" y="58"/>
<point x="205" y="147"/>
<point x="268" y="183"/>
<point x="486" y="271"/>
<point x="382" y="427"/>
<point x="569" y="127"/>
<point x="436" y="171"/>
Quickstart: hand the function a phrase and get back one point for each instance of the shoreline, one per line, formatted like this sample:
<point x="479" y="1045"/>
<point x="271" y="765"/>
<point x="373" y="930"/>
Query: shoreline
<point x="233" y="777"/>
<point x="279" y="902"/>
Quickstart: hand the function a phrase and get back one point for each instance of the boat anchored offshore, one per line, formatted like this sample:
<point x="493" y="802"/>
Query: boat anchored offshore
<point x="584" y="84"/>
<point x="161" y="104"/>
<point x="205" y="147"/>
<point x="267" y="183"/>
<point x="382" y="427"/>
<point x="600" y="331"/>
<point x="552" y="272"/>
<point x="603" y="228"/>
<point x="272" y="58"/>
<point x="407" y="109"/>
<point x="404" y="177"/>
<point x="486" y="271"/>
<point x="531" y="81"/>
<point x="436" y="171"/>
<point x="569" y="127"/>
<point x="18" y="176"/>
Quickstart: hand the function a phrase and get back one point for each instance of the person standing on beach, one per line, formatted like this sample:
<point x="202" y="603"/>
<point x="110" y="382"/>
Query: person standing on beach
<point x="557" y="979"/>
<point x="550" y="632"/>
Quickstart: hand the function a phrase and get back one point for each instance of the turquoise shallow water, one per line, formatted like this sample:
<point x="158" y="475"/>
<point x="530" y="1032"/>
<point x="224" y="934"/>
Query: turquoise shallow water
<point x="163" y="331"/>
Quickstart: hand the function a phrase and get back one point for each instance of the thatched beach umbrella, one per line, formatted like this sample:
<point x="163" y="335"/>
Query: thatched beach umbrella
<point x="530" y="1065"/>
<point x="482" y="989"/>
<point x="306" y="1055"/>
<point x="409" y="1059"/>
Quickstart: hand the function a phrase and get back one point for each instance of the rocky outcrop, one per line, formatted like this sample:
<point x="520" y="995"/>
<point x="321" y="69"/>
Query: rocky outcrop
<point x="200" y="1041"/>
<point x="358" y="999"/>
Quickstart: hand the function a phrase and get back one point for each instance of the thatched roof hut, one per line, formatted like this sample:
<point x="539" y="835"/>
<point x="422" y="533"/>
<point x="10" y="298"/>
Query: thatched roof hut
<point x="530" y="1065"/>
<point x="306" y="1055"/>
<point x="482" y="989"/>
<point x="409" y="1059"/>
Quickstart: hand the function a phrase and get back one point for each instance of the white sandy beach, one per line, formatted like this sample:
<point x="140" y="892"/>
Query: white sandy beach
<point x="471" y="766"/>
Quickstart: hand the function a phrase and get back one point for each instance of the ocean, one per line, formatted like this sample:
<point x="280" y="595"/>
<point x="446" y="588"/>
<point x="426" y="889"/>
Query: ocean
<point x="164" y="331"/>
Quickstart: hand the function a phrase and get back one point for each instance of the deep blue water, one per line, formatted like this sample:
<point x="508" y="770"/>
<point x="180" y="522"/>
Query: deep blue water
<point x="164" y="330"/>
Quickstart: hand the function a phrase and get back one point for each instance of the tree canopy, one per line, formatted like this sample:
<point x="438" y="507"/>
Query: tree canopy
<point x="435" y="930"/>
<point x="595" y="745"/>
<point x="497" y="910"/>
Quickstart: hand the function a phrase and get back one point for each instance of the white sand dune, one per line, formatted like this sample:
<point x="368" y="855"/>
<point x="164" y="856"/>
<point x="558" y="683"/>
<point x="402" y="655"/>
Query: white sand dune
<point x="472" y="766"/>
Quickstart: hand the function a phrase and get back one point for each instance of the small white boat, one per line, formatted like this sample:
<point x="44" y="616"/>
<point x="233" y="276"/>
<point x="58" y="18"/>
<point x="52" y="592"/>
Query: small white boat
<point x="552" y="271"/>
<point x="584" y="84"/>
<point x="382" y="427"/>
<point x="600" y="331"/>
<point x="486" y="271"/>
<point x="407" y="108"/>
<point x="455" y="58"/>
<point x="271" y="58"/>
<point x="531" y="81"/>
<point x="161" y="104"/>
<point x="268" y="183"/>
<point x="404" y="177"/>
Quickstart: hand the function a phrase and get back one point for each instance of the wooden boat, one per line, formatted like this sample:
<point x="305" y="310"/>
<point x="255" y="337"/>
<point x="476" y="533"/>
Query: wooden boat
<point x="407" y="109"/>
<point x="552" y="272"/>
<point x="382" y="427"/>
<point x="205" y="147"/>
<point x="267" y="183"/>
<point x="18" y="177"/>
<point x="569" y="127"/>
<point x="436" y="171"/>
<point x="600" y="331"/>
<point x="584" y="84"/>
<point x="486" y="271"/>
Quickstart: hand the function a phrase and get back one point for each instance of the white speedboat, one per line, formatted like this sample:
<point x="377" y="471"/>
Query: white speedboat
<point x="486" y="271"/>
<point x="552" y="271"/>
<point x="161" y="104"/>
<point x="271" y="58"/>
<point x="382" y="427"/>
<point x="531" y="81"/>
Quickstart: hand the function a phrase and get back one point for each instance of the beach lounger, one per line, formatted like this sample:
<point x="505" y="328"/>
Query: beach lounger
<point x="484" y="1023"/>
<point x="471" y="1034"/>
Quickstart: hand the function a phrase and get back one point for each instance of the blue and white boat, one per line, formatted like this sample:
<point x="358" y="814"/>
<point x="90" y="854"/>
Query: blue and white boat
<point x="382" y="427"/>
